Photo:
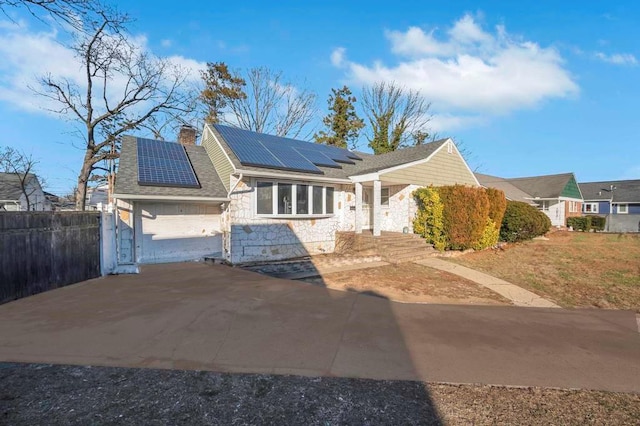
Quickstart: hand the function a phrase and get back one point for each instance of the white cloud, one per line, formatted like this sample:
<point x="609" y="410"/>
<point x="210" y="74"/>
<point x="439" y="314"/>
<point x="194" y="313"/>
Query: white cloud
<point x="337" y="57"/>
<point x="29" y="55"/>
<point x="617" y="58"/>
<point x="166" y="43"/>
<point x="469" y="71"/>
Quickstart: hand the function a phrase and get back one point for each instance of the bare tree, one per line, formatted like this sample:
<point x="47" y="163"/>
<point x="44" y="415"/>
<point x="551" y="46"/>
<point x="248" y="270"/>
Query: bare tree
<point x="395" y="114"/>
<point x="123" y="88"/>
<point x="69" y="12"/>
<point x="272" y="105"/>
<point x="23" y="167"/>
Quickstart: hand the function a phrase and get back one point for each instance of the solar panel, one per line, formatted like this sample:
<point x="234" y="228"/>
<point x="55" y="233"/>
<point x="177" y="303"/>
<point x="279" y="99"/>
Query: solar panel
<point x="164" y="164"/>
<point x="277" y="152"/>
<point x="318" y="158"/>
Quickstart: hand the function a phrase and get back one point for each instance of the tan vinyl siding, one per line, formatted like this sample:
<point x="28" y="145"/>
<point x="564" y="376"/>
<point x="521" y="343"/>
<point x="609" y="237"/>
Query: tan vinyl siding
<point x="223" y="166"/>
<point x="442" y="169"/>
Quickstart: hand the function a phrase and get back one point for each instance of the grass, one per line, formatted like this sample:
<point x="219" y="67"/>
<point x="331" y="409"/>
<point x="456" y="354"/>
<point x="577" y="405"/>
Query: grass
<point x="573" y="269"/>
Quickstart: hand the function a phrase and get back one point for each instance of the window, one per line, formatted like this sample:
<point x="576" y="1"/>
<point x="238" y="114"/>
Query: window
<point x="293" y="199"/>
<point x="317" y="199"/>
<point x="590" y="208"/>
<point x="329" y="200"/>
<point x="384" y="197"/>
<point x="285" y="200"/>
<point x="265" y="198"/>
<point x="302" y="199"/>
<point x="573" y="207"/>
<point x="623" y="208"/>
<point x="544" y="206"/>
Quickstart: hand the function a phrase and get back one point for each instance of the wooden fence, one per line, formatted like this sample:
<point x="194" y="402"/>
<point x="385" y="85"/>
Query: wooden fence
<point x="40" y="251"/>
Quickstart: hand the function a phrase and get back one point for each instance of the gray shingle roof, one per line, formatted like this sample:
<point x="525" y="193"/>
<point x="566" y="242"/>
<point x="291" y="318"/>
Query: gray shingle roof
<point x="549" y="186"/>
<point x="511" y="191"/>
<point x="10" y="188"/>
<point x="626" y="191"/>
<point x="127" y="176"/>
<point x="369" y="163"/>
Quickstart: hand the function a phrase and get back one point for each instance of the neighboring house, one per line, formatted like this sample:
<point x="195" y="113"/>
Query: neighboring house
<point x="246" y="196"/>
<point x="97" y="197"/>
<point x="511" y="192"/>
<point x="14" y="198"/>
<point x="558" y="196"/>
<point x="618" y="200"/>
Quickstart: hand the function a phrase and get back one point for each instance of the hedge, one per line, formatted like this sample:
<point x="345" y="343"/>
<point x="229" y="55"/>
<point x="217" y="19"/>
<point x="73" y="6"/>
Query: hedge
<point x="466" y="210"/>
<point x="523" y="222"/>
<point x="497" y="205"/>
<point x="586" y="223"/>
<point x="428" y="220"/>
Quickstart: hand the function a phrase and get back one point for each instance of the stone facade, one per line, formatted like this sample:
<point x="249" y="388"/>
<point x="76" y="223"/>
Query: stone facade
<point x="401" y="210"/>
<point x="249" y="238"/>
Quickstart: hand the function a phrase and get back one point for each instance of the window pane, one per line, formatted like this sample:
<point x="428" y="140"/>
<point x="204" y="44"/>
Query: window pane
<point x="384" y="196"/>
<point x="329" y="200"/>
<point x="265" y="198"/>
<point x="317" y="200"/>
<point x="302" y="199"/>
<point x="284" y="198"/>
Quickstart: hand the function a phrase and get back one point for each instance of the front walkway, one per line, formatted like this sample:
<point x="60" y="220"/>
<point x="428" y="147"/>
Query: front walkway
<point x="518" y="295"/>
<point x="218" y="318"/>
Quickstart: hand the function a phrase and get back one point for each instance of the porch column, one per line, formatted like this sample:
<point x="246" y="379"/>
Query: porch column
<point x="377" y="214"/>
<point x="358" y="221"/>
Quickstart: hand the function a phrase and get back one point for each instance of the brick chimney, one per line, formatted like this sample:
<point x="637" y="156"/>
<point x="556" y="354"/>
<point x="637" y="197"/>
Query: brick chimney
<point x="187" y="135"/>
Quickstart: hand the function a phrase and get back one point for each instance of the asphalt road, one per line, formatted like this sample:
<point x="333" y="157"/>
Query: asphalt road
<point x="203" y="317"/>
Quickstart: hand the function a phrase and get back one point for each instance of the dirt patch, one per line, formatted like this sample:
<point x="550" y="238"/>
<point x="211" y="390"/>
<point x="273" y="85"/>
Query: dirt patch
<point x="573" y="269"/>
<point x="410" y="282"/>
<point x="68" y="395"/>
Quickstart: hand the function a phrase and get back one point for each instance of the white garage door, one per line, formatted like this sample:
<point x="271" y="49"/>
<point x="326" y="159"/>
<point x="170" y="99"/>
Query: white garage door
<point x="171" y="232"/>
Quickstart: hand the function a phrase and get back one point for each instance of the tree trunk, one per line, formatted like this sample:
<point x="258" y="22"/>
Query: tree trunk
<point x="83" y="178"/>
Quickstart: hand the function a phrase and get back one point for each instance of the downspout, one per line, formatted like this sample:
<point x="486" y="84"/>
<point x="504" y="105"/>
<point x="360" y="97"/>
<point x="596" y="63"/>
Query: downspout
<point x="227" y="238"/>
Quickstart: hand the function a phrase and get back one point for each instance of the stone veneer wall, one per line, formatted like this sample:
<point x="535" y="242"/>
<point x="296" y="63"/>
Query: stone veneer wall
<point x="401" y="211"/>
<point x="253" y="239"/>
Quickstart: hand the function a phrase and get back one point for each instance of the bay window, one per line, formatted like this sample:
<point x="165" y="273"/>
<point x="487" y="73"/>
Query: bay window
<point x="293" y="199"/>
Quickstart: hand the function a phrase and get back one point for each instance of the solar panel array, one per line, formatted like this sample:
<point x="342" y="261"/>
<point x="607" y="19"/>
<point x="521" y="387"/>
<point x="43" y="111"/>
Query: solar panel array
<point x="257" y="149"/>
<point x="164" y="164"/>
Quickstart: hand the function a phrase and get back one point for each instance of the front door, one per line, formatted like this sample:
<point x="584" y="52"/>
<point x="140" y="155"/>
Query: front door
<point x="367" y="208"/>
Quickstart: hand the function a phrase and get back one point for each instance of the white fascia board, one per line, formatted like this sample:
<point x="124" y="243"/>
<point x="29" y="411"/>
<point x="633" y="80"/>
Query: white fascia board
<point x="170" y="198"/>
<point x="365" y="178"/>
<point x="276" y="175"/>
<point x="570" y="199"/>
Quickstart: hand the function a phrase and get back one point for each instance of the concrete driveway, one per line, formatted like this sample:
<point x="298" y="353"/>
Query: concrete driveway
<point x="211" y="317"/>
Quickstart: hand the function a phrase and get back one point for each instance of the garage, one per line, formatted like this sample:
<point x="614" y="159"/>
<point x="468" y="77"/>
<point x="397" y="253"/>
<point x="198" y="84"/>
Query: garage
<point x="174" y="232"/>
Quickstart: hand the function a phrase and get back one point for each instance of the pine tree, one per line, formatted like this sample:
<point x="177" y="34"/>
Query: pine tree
<point x="342" y="123"/>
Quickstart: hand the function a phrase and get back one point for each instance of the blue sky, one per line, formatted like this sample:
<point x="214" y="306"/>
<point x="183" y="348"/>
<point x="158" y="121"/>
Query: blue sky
<point x="528" y="87"/>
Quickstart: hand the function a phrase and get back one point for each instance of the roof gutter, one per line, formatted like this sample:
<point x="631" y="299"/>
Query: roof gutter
<point x="254" y="173"/>
<point x="170" y="198"/>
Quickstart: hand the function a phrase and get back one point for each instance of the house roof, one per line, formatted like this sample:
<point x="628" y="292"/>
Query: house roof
<point x="127" y="177"/>
<point x="548" y="186"/>
<point x="511" y="191"/>
<point x="369" y="163"/>
<point x="625" y="191"/>
<point x="10" y="188"/>
<point x="374" y="163"/>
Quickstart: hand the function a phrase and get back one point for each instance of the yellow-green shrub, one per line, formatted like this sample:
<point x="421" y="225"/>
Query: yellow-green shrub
<point x="428" y="220"/>
<point x="490" y="236"/>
